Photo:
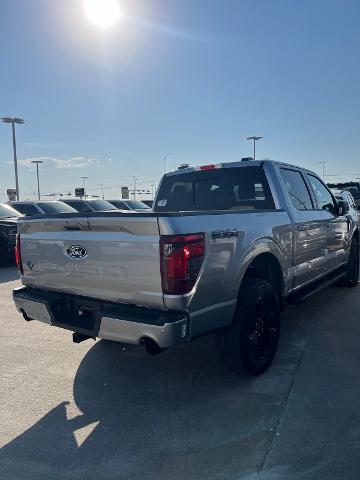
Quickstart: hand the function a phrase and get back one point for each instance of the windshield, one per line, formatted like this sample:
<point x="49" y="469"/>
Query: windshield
<point x="137" y="205"/>
<point x="55" y="207"/>
<point x="8" y="212"/>
<point x="238" y="188"/>
<point x="101" y="205"/>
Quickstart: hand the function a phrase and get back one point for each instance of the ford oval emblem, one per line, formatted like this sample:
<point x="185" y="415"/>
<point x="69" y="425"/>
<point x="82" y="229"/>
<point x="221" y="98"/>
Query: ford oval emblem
<point x="76" y="251"/>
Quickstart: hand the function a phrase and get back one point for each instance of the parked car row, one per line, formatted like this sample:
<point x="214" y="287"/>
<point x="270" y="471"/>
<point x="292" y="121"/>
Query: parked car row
<point x="42" y="207"/>
<point x="30" y="208"/>
<point x="8" y="230"/>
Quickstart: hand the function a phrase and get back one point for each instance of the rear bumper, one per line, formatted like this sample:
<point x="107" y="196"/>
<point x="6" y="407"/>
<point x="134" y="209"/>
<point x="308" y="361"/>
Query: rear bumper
<point x="108" y="320"/>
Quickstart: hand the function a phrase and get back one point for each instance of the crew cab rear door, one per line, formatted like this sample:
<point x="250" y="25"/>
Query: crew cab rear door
<point x="336" y="226"/>
<point x="309" y="228"/>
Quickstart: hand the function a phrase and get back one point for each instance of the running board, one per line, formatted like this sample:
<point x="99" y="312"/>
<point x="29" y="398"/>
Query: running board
<point x="316" y="287"/>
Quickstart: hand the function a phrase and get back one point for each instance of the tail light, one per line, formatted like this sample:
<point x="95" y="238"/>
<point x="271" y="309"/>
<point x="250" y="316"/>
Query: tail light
<point x="18" y="255"/>
<point x="181" y="260"/>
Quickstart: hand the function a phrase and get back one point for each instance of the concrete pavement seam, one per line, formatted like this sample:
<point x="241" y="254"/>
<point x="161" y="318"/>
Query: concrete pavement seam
<point x="274" y="432"/>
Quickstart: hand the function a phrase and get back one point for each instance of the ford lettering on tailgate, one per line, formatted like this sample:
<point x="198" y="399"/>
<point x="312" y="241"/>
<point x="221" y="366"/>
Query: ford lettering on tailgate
<point x="76" y="251"/>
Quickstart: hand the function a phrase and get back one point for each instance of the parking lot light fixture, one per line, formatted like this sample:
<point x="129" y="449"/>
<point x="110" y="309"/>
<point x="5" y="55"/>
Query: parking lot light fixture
<point x="164" y="160"/>
<point x="134" y="182"/>
<point x="254" y="139"/>
<point x="323" y="169"/>
<point x="37" y="162"/>
<point x="19" y="121"/>
<point x="84" y="179"/>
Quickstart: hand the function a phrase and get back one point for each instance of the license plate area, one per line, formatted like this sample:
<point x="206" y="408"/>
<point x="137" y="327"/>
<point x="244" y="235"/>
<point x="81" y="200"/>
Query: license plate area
<point x="78" y="315"/>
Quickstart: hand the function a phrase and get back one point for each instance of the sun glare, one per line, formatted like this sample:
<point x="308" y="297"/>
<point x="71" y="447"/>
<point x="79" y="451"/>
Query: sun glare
<point x="103" y="13"/>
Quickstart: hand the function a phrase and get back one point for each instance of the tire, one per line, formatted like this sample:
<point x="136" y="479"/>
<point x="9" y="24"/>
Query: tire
<point x="351" y="278"/>
<point x="250" y="343"/>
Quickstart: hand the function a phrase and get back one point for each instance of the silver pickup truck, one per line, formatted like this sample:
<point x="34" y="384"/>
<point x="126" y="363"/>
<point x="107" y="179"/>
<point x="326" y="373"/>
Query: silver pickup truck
<point x="223" y="248"/>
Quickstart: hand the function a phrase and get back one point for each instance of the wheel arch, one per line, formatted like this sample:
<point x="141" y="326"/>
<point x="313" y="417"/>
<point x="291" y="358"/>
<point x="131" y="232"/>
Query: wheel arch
<point x="267" y="262"/>
<point x="267" y="267"/>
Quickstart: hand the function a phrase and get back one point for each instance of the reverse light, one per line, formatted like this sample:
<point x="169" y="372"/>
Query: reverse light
<point x="18" y="255"/>
<point x="181" y="257"/>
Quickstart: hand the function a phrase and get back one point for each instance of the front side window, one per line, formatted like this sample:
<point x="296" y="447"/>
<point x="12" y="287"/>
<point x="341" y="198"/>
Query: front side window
<point x="297" y="189"/>
<point x="324" y="199"/>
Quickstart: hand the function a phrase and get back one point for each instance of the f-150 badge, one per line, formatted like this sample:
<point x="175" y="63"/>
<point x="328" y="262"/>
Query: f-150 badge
<point x="229" y="233"/>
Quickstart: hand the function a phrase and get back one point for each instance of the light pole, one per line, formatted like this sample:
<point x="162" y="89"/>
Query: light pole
<point x="164" y="160"/>
<point x="37" y="174"/>
<point x="254" y="138"/>
<point x="323" y="169"/>
<point x="134" y="179"/>
<point x="19" y="121"/>
<point x="84" y="178"/>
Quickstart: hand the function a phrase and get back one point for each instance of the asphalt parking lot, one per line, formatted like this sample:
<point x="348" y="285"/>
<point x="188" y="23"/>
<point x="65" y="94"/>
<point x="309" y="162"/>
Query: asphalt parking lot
<point x="102" y="411"/>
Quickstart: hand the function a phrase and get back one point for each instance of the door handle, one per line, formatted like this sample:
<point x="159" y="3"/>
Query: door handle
<point x="72" y="227"/>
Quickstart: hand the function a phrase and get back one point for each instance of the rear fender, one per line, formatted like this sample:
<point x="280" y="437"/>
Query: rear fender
<point x="257" y="248"/>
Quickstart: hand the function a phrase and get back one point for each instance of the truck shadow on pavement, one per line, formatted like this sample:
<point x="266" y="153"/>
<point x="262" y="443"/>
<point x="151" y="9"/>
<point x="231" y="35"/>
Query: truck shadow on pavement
<point x="177" y="415"/>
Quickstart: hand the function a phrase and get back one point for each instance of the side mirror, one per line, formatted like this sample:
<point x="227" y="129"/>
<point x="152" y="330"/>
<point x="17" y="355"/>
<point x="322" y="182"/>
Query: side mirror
<point x="343" y="207"/>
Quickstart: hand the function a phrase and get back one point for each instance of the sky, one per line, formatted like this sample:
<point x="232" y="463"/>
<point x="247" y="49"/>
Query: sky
<point x="192" y="78"/>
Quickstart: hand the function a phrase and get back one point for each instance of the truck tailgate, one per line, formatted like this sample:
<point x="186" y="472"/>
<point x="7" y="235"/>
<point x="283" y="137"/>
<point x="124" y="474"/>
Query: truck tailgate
<point x="110" y="256"/>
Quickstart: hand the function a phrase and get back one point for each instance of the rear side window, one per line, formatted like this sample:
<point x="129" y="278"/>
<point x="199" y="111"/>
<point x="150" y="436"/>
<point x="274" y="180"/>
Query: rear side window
<point x="119" y="204"/>
<point x="79" y="206"/>
<point x="101" y="206"/>
<point x="27" y="209"/>
<point x="297" y="189"/>
<point x="56" y="207"/>
<point x="240" y="188"/>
